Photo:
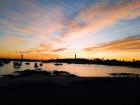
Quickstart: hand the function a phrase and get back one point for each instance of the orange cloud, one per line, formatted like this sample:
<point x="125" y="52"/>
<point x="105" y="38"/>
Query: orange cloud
<point x="130" y="44"/>
<point x="45" y="48"/>
<point x="59" y="50"/>
<point x="41" y="49"/>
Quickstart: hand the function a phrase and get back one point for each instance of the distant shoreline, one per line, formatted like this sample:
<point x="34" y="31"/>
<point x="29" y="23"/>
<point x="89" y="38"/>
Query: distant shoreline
<point x="113" y="62"/>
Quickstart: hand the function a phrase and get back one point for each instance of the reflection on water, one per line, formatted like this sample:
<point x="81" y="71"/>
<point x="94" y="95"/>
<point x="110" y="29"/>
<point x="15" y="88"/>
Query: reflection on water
<point x="78" y="69"/>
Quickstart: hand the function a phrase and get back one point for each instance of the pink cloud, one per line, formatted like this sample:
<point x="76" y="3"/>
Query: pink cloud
<point x="97" y="17"/>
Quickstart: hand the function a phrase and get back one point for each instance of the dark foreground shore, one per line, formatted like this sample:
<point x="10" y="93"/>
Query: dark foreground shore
<point x="41" y="88"/>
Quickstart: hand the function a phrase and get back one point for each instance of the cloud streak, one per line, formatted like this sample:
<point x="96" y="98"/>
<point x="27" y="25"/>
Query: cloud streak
<point x="129" y="44"/>
<point x="59" y="50"/>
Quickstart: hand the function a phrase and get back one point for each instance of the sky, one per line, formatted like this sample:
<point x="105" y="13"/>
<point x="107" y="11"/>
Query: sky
<point x="45" y="29"/>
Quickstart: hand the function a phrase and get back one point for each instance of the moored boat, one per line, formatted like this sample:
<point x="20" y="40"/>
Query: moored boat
<point x="58" y="64"/>
<point x="41" y="64"/>
<point x="17" y="64"/>
<point x="27" y="63"/>
<point x="35" y="65"/>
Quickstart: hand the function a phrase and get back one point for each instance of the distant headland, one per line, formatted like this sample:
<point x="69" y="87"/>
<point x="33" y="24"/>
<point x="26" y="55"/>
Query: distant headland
<point x="112" y="62"/>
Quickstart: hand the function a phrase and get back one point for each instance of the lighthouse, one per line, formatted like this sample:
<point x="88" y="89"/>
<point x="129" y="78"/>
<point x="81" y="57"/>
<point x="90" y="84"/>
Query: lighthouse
<point x="75" y="56"/>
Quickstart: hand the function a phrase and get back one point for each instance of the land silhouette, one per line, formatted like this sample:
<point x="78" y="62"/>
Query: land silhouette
<point x="112" y="62"/>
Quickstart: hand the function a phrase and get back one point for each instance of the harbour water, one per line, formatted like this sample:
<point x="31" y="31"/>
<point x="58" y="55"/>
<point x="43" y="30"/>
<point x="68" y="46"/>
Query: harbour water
<point x="83" y="70"/>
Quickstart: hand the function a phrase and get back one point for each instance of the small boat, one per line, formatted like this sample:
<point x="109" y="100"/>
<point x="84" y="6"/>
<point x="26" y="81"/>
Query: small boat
<point x="58" y="64"/>
<point x="17" y="64"/>
<point x="27" y="63"/>
<point x="41" y="64"/>
<point x="35" y="65"/>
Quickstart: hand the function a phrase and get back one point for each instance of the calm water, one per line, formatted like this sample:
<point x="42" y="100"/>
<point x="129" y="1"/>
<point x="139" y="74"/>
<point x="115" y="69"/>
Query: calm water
<point x="78" y="69"/>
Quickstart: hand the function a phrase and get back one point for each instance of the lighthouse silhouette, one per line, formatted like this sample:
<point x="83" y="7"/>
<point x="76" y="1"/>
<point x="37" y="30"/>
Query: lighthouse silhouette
<point x="75" y="56"/>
